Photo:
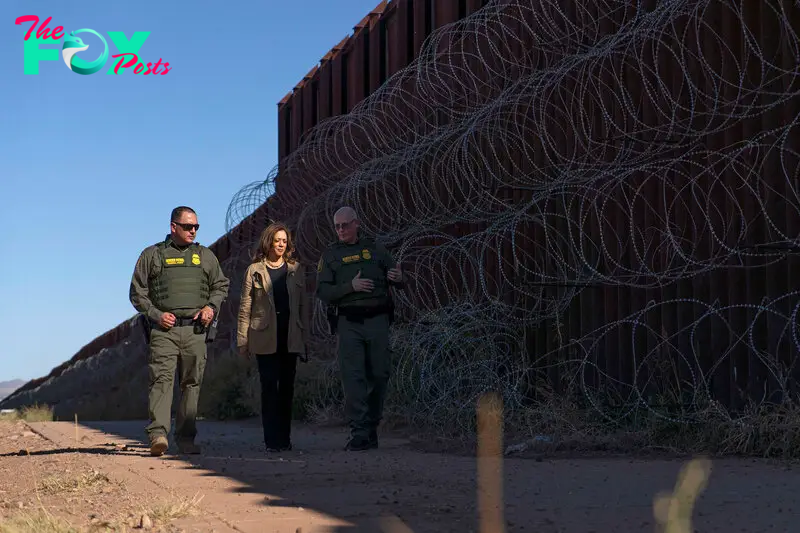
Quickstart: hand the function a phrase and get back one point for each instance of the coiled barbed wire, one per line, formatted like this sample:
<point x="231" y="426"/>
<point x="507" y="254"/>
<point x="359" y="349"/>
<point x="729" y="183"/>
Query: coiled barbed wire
<point x="532" y="150"/>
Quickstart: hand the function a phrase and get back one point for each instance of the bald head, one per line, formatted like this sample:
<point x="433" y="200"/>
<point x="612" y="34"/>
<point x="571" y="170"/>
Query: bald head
<point x="346" y="224"/>
<point x="344" y="213"/>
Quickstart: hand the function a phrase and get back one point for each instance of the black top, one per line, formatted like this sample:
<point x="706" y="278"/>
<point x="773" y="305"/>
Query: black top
<point x="279" y="291"/>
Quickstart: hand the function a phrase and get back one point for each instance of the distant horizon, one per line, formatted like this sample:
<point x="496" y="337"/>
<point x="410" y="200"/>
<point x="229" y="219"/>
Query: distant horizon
<point x="7" y="387"/>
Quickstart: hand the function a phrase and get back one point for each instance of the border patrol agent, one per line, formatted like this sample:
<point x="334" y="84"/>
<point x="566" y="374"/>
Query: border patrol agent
<point x="179" y="286"/>
<point x="355" y="275"/>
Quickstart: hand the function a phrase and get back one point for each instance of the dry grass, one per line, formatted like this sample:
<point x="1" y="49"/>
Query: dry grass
<point x="671" y="416"/>
<point x="230" y="388"/>
<point x="672" y="510"/>
<point x="155" y="516"/>
<point x="325" y="414"/>
<point x="39" y="521"/>
<point x="31" y="413"/>
<point x="174" y="508"/>
<point x="566" y="421"/>
<point x="574" y="418"/>
<point x="57" y="484"/>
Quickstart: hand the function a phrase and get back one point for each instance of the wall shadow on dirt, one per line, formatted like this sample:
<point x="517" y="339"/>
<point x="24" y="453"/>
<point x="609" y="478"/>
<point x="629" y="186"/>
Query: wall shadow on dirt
<point x="363" y="488"/>
<point x="432" y="492"/>
<point x="59" y="451"/>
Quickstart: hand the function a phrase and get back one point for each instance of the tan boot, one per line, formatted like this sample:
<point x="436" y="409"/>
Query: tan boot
<point x="158" y="446"/>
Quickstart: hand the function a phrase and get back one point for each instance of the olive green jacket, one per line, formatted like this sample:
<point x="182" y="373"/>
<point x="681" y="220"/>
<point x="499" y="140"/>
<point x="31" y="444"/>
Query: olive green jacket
<point x="147" y="268"/>
<point x="257" y="324"/>
<point x="341" y="262"/>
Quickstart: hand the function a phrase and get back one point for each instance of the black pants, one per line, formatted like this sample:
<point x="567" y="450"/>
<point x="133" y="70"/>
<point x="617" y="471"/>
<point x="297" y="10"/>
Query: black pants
<point x="277" y="372"/>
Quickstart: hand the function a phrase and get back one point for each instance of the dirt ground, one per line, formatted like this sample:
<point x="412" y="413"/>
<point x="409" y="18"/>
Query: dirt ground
<point x="46" y="486"/>
<point x="102" y="477"/>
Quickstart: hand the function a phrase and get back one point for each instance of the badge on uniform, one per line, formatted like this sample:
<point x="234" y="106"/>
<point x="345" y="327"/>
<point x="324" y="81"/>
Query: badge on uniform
<point x="195" y="259"/>
<point x="365" y="254"/>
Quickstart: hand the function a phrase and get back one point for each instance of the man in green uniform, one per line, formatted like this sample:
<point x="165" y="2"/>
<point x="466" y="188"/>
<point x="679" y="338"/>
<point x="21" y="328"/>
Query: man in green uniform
<point x="179" y="287"/>
<point x="355" y="275"/>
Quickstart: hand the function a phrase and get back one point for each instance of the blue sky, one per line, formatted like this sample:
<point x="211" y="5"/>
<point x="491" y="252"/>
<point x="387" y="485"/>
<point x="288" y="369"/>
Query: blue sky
<point x="90" y="166"/>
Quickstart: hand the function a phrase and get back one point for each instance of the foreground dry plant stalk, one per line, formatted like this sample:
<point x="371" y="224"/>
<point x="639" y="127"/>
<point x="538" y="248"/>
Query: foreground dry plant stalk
<point x="490" y="464"/>
<point x="673" y="511"/>
<point x="490" y="470"/>
<point x="393" y="524"/>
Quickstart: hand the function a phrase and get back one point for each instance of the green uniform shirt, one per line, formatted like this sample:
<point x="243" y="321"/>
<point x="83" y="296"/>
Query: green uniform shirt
<point x="148" y="267"/>
<point x="341" y="262"/>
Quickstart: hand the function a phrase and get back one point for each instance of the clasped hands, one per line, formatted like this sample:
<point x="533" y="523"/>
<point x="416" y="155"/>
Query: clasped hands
<point x="206" y="315"/>
<point x="366" y="285"/>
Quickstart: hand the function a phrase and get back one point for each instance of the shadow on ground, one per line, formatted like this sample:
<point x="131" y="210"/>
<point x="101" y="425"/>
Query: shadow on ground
<point x="93" y="450"/>
<point x="432" y="492"/>
<point x="362" y="488"/>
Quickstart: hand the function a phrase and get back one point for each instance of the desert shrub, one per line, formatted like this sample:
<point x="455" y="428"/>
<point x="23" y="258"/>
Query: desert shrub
<point x="230" y="388"/>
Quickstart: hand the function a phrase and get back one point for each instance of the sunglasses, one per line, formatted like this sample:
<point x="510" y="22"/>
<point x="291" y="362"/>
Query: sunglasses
<point x="342" y="225"/>
<point x="187" y="227"/>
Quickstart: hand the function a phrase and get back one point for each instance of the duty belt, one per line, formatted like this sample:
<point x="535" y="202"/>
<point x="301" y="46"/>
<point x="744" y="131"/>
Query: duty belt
<point x="358" y="314"/>
<point x="184" y="321"/>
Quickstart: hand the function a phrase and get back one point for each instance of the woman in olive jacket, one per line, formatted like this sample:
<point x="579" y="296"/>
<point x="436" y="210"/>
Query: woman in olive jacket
<point x="273" y="326"/>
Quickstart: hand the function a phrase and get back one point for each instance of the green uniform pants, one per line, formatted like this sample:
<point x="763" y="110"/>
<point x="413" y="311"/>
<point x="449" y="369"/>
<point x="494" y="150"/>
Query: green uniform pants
<point x="365" y="363"/>
<point x="182" y="349"/>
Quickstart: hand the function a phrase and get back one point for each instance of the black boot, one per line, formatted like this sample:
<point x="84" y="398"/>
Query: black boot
<point x="357" y="444"/>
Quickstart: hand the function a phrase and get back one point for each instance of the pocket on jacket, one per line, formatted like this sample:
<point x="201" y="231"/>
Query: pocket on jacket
<point x="259" y="322"/>
<point x="262" y="314"/>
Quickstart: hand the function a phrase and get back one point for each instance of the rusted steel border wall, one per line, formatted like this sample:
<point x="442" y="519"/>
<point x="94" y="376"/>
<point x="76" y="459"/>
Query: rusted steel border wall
<point x="725" y="330"/>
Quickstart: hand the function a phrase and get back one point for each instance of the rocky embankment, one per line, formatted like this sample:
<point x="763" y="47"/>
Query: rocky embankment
<point x="110" y="382"/>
